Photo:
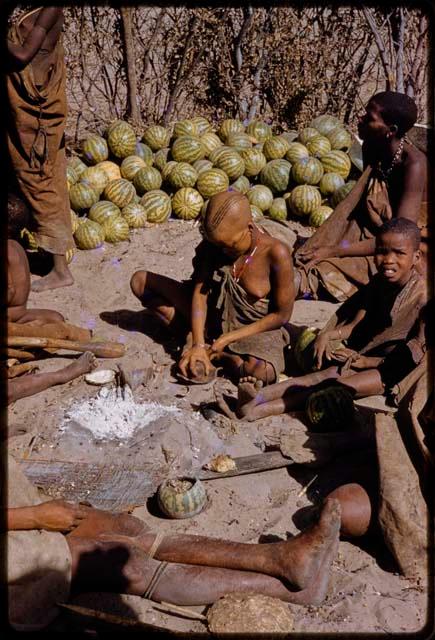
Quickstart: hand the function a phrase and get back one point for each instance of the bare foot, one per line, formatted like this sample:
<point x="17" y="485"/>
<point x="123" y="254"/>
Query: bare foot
<point x="247" y="390"/>
<point x="54" y="280"/>
<point x="223" y="405"/>
<point x="84" y="364"/>
<point x="105" y="524"/>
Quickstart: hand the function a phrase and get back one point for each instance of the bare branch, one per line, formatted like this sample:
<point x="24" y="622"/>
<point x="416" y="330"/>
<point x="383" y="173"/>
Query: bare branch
<point x="381" y="47"/>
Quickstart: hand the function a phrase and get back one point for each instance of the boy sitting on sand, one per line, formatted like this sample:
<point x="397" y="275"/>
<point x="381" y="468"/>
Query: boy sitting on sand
<point x="373" y="322"/>
<point x="238" y="300"/>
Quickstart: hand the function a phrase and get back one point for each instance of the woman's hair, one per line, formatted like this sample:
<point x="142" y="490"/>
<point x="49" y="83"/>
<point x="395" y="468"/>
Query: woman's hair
<point x="397" y="108"/>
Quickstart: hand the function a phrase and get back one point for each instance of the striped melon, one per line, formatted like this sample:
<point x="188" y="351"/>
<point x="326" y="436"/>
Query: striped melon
<point x="82" y="196"/>
<point x="231" y="162"/>
<point x="74" y="221"/>
<point x="254" y="160"/>
<point x="143" y="151"/>
<point x="304" y="356"/>
<point x="78" y="165"/>
<point x="122" y="140"/>
<point x="325" y="123"/>
<point x="296" y="151"/>
<point x="306" y="134"/>
<point x="330" y="409"/>
<point x="290" y="136"/>
<point x="71" y="176"/>
<point x="216" y="153"/>
<point x="113" y="125"/>
<point x="275" y="175"/>
<point x="185" y="128"/>
<point x="336" y="161"/>
<point x="329" y="183"/>
<point x="318" y="217"/>
<point x="259" y="145"/>
<point x="95" y="149"/>
<point x="210" y="142"/>
<point x="239" y="141"/>
<point x="318" y="146"/>
<point x="242" y="184"/>
<point x="187" y="149"/>
<point x="130" y="166"/>
<point x="29" y="240"/>
<point x="157" y="205"/>
<point x="259" y="130"/>
<point x="147" y="179"/>
<point x="187" y="203"/>
<point x="275" y="147"/>
<point x="342" y="193"/>
<point x="256" y="213"/>
<point x="69" y="255"/>
<point x="211" y="182"/>
<point x="182" y="175"/>
<point x="121" y="192"/>
<point x="102" y="210"/>
<point x="96" y="178"/>
<point x="161" y="158"/>
<point x="156" y="137"/>
<point x="135" y="215"/>
<point x="230" y="126"/>
<point x="304" y="199"/>
<point x="202" y="125"/>
<point x="278" y="210"/>
<point x="307" y="171"/>
<point x="116" y="229"/>
<point x="202" y="165"/>
<point x="111" y="169"/>
<point x="339" y="138"/>
<point x="260" y="196"/>
<point x="166" y="171"/>
<point x="184" y="504"/>
<point x="204" y="209"/>
<point x="89" y="235"/>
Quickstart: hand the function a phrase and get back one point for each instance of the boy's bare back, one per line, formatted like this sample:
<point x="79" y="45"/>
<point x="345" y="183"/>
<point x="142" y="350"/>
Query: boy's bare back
<point x="18" y="280"/>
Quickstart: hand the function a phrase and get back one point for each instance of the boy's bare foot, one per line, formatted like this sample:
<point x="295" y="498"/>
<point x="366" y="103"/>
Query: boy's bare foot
<point x="84" y="364"/>
<point x="54" y="280"/>
<point x="223" y="404"/>
<point x="316" y="592"/>
<point x="247" y="389"/>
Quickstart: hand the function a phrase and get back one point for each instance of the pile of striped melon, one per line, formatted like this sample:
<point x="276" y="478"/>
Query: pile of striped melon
<point x="119" y="182"/>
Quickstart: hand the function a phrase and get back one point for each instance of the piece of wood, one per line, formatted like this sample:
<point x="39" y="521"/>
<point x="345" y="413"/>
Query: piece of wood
<point x="173" y="608"/>
<point x="19" y="355"/>
<point x="21" y="369"/>
<point x="250" y="464"/>
<point x="56" y="330"/>
<point x="100" y="349"/>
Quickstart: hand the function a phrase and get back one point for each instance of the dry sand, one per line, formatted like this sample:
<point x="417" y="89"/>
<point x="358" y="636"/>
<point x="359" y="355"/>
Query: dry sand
<point x="366" y="593"/>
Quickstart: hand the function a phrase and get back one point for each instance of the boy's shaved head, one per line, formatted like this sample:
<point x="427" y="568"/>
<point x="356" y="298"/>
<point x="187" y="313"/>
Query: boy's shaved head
<point x="228" y="206"/>
<point x="404" y="227"/>
<point x="396" y="108"/>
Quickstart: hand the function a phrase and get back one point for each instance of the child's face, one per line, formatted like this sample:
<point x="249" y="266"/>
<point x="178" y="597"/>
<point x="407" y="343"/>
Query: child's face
<point x="234" y="240"/>
<point x="395" y="257"/>
<point x="371" y="126"/>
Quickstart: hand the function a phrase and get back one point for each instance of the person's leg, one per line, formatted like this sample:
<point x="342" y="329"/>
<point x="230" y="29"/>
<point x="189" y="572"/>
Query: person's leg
<point x="59" y="276"/>
<point x="363" y="383"/>
<point x="38" y="317"/>
<point x="168" y="299"/>
<point x="28" y="386"/>
<point x="239" y="367"/>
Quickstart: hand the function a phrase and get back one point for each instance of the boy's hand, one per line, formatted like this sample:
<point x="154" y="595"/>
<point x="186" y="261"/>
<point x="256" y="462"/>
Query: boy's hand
<point x="219" y="345"/>
<point x="59" y="515"/>
<point x="321" y="348"/>
<point x="313" y="256"/>
<point x="190" y="360"/>
<point x="343" y="355"/>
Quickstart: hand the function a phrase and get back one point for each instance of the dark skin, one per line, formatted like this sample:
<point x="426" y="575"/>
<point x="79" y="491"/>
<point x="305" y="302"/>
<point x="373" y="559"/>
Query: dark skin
<point x="407" y="184"/>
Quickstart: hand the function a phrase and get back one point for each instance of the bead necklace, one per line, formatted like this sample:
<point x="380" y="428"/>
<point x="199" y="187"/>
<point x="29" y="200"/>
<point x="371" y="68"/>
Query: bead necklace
<point x="394" y="161"/>
<point x="247" y="260"/>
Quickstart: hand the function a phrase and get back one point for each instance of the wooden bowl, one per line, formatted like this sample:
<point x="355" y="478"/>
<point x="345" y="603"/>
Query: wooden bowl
<point x="181" y="497"/>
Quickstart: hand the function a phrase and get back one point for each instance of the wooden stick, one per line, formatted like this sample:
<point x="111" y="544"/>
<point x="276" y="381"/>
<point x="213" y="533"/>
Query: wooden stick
<point x="57" y="330"/>
<point x="20" y="355"/>
<point x="304" y="490"/>
<point x="188" y="613"/>
<point x="100" y="349"/>
<point x="19" y="369"/>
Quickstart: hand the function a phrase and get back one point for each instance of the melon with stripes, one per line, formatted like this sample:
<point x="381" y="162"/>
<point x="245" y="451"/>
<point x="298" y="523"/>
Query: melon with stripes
<point x="131" y="165"/>
<point x="342" y="192"/>
<point x="112" y="125"/>
<point x="183" y="175"/>
<point x="304" y="199"/>
<point x="135" y="215"/>
<point x="325" y="123"/>
<point x="210" y="142"/>
<point x="307" y="171"/>
<point x="232" y="163"/>
<point x="69" y="255"/>
<point x="102" y="210"/>
<point x="306" y="134"/>
<point x="260" y="196"/>
<point x="256" y="213"/>
<point x="329" y="183"/>
<point x="296" y="151"/>
<point x="230" y="126"/>
<point x="122" y="140"/>
<point x="339" y="138"/>
<point x="185" y="128"/>
<point x="187" y="149"/>
<point x="202" y="125"/>
<point x="147" y="179"/>
<point x="259" y="130"/>
<point x="276" y="174"/>
<point x="275" y="147"/>
<point x="331" y="409"/>
<point x="161" y="158"/>
<point x="303" y="355"/>
<point x="29" y="240"/>
<point x="216" y="153"/>
<point x="278" y="209"/>
<point x="74" y="221"/>
<point x="239" y="141"/>
<point x="156" y="137"/>
<point x="71" y="176"/>
<point x="143" y="151"/>
<point x="157" y="205"/>
<point x="318" y="217"/>
<point x="318" y="146"/>
<point x="166" y="171"/>
<point x="89" y="235"/>
<point x="211" y="182"/>
<point x="242" y="184"/>
<point x="187" y="203"/>
<point x="336" y="161"/>
<point x="111" y="169"/>
<point x="78" y="165"/>
<point x="82" y="196"/>
<point x="254" y="160"/>
<point x="95" y="149"/>
<point x="116" y="229"/>
<point x="202" y="165"/>
<point x="96" y="178"/>
<point x="121" y="192"/>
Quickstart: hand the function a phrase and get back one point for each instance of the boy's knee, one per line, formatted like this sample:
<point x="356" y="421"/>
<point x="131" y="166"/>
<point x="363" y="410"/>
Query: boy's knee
<point x="259" y="369"/>
<point x="137" y="283"/>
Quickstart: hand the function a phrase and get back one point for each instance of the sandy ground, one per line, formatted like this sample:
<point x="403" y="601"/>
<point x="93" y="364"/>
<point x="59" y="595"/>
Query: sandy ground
<point x="366" y="593"/>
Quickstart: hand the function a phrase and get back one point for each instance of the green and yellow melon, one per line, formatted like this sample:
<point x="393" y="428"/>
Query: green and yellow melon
<point x="259" y="130"/>
<point x="113" y="125"/>
<point x="329" y="183"/>
<point x="275" y="147"/>
<point x="135" y="215"/>
<point x="157" y="205"/>
<point x="296" y="151"/>
<point x="147" y="179"/>
<point x="318" y="146"/>
<point x="116" y="229"/>
<point x="143" y="151"/>
<point x="121" y="192"/>
<point x="74" y="221"/>
<point x="187" y="203"/>
<point x="304" y="199"/>
<point x="278" y="209"/>
<point x="29" y="240"/>
<point x="306" y="134"/>
<point x="122" y="140"/>
<point x="276" y="174"/>
<point x="339" y="138"/>
<point x="187" y="149"/>
<point x="211" y="182"/>
<point x="302" y="352"/>
<point x="202" y="165"/>
<point x="318" y="217"/>
<point x="242" y="184"/>
<point x="111" y="169"/>
<point x="156" y="137"/>
<point x="342" y="193"/>
<point x="216" y="153"/>
<point x="331" y="409"/>
<point x="230" y="126"/>
<point x="102" y="210"/>
<point x="325" y="123"/>
<point x="89" y="235"/>
<point x="131" y="165"/>
<point x="71" y="176"/>
<point x="239" y="141"/>
<point x="185" y="128"/>
<point x="82" y="196"/>
<point x="182" y="175"/>
<point x="336" y="161"/>
<point x="254" y="160"/>
<point x="161" y="158"/>
<point x="290" y="135"/>
<point x="166" y="171"/>
<point x="202" y="125"/>
<point x="256" y="213"/>
<point x="260" y="196"/>
<point x="78" y="165"/>
<point x="95" y="149"/>
<point x="69" y="255"/>
<point x="307" y="171"/>
<point x="232" y="163"/>
<point x="96" y="178"/>
<point x="210" y="142"/>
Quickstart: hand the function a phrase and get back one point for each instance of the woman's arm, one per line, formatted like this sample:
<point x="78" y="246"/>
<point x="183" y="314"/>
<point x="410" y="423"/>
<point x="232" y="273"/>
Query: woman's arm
<point x="23" y="54"/>
<point x="198" y="352"/>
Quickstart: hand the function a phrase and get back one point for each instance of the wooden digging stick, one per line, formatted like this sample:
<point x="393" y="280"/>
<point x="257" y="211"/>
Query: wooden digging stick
<point x="100" y="349"/>
<point x="20" y="355"/>
<point x="57" y="330"/>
